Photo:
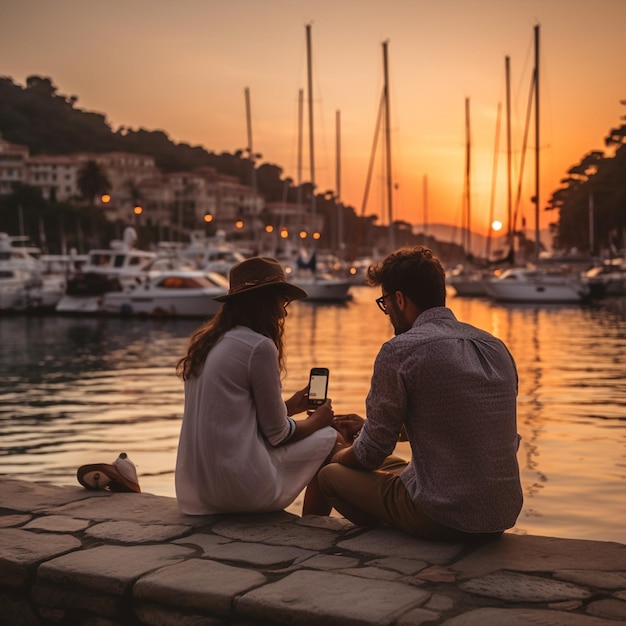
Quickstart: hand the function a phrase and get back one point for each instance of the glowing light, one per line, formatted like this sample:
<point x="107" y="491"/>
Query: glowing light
<point x="284" y="233"/>
<point x="496" y="225"/>
<point x="105" y="198"/>
<point x="208" y="218"/>
<point x="316" y="235"/>
<point x="239" y="224"/>
<point x="269" y="228"/>
<point x="303" y="234"/>
<point x="138" y="210"/>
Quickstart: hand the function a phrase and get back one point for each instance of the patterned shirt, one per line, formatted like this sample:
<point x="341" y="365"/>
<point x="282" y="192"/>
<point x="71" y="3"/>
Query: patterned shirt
<point x="454" y="388"/>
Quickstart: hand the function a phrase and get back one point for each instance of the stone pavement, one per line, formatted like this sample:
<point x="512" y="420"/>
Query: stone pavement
<point x="71" y="556"/>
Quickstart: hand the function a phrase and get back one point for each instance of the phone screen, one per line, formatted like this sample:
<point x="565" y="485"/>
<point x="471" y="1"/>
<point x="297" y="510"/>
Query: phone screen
<point x="318" y="386"/>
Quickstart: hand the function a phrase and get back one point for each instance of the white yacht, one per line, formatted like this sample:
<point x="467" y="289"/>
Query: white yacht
<point x="105" y="270"/>
<point x="532" y="284"/>
<point x="607" y="279"/>
<point x="322" y="287"/>
<point x="211" y="254"/>
<point x="320" y="284"/>
<point x="20" y="289"/>
<point x="468" y="282"/>
<point x="169" y="293"/>
<point x="23" y="284"/>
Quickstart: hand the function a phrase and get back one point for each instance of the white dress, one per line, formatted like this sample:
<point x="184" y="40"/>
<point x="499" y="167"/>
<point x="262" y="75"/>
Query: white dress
<point x="233" y="453"/>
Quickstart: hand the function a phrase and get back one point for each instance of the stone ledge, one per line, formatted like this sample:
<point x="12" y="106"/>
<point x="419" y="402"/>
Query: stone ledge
<point x="70" y="556"/>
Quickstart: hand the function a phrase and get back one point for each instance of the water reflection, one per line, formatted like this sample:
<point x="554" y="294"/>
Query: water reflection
<point x="78" y="390"/>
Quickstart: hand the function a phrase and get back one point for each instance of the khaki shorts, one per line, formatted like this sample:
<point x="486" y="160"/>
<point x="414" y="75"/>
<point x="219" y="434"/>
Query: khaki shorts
<point x="381" y="494"/>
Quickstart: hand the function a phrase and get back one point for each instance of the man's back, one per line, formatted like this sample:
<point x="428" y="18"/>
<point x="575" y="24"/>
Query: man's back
<point x="455" y="386"/>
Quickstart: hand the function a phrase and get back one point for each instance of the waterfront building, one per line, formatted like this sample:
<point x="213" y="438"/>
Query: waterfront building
<point x="55" y="176"/>
<point x="13" y="170"/>
<point x="176" y="203"/>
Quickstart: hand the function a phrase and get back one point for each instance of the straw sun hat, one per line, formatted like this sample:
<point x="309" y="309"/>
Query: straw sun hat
<point x="260" y="273"/>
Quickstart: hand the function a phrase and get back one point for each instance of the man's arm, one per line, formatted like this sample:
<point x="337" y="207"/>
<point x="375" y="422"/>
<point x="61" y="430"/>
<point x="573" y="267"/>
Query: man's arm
<point x="346" y="457"/>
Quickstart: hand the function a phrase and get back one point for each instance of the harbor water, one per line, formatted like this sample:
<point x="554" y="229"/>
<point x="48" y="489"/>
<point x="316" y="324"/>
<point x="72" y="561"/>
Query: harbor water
<point x="77" y="390"/>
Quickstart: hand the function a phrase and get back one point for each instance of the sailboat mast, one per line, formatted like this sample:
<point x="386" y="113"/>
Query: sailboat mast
<point x="507" y="71"/>
<point x="388" y="146"/>
<point x="536" y="141"/>
<point x="338" y="183"/>
<point x="468" y="195"/>
<point x="311" y="135"/>
<point x="251" y="155"/>
<point x="300" y="126"/>
<point x="425" y="200"/>
<point x="496" y="149"/>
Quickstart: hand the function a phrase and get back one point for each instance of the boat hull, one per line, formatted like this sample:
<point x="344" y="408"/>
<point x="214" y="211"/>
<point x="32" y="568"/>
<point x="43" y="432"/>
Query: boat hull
<point x="82" y="305"/>
<point x="324" y="290"/>
<point x="469" y="288"/>
<point x="534" y="292"/>
<point x="156" y="305"/>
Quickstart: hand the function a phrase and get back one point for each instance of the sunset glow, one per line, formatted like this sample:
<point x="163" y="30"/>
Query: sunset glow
<point x="190" y="63"/>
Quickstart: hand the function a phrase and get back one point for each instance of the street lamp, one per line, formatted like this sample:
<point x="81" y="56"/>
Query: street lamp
<point x="137" y="210"/>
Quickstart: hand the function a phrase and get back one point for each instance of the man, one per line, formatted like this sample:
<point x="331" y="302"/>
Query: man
<point x="450" y="389"/>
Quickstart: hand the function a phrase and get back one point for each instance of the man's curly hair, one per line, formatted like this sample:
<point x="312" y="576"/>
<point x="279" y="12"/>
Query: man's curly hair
<point x="416" y="272"/>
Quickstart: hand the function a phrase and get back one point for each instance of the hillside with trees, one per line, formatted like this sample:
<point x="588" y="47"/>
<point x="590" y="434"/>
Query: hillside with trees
<point x="47" y="122"/>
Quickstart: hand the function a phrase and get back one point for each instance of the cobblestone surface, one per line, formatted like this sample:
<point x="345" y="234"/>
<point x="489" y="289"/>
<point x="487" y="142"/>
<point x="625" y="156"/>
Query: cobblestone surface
<point x="71" y="556"/>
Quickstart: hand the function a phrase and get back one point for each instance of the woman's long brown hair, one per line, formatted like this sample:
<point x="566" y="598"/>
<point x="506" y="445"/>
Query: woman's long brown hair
<point x="261" y="310"/>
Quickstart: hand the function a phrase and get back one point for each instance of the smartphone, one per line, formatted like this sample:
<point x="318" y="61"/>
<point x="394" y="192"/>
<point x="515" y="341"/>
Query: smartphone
<point x="318" y="386"/>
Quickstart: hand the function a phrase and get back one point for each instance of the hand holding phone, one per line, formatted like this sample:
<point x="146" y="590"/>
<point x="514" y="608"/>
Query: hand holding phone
<point x="318" y="386"/>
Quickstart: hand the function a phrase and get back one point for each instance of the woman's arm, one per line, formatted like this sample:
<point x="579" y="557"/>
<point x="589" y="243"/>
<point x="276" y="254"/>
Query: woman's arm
<point x="298" y="403"/>
<point x="321" y="417"/>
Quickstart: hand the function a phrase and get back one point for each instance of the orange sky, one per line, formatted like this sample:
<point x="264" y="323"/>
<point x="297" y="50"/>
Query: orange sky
<point x="183" y="67"/>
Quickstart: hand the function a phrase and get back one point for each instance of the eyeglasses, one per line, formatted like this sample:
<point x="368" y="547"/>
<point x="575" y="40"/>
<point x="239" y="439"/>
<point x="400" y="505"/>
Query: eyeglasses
<point x="381" y="303"/>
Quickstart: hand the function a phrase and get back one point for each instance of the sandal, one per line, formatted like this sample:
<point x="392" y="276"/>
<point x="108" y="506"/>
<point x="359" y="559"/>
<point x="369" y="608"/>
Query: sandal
<point x="121" y="475"/>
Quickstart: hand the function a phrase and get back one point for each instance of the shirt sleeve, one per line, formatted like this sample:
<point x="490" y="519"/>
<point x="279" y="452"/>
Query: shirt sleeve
<point x="385" y="410"/>
<point x="271" y="411"/>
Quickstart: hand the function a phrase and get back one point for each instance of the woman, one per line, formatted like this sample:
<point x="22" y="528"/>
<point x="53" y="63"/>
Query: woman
<point x="239" y="449"/>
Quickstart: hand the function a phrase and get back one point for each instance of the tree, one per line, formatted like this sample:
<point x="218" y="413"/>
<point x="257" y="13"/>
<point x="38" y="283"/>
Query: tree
<point x="594" y="189"/>
<point x="42" y="85"/>
<point x="92" y="182"/>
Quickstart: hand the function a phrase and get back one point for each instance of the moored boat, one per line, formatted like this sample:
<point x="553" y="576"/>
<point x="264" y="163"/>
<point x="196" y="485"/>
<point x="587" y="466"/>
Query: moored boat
<point x="607" y="279"/>
<point x="322" y="287"/>
<point x="20" y="290"/>
<point x="23" y="285"/>
<point x="210" y="254"/>
<point x="536" y="285"/>
<point x="105" y="270"/>
<point x="468" y="282"/>
<point x="170" y="293"/>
